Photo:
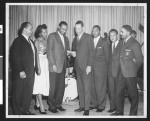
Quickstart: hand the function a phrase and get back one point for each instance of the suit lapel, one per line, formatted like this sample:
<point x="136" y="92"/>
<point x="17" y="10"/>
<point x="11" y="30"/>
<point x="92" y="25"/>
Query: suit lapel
<point x="59" y="40"/>
<point x="127" y="43"/>
<point x="116" y="48"/>
<point x="80" y="41"/>
<point x="100" y="41"/>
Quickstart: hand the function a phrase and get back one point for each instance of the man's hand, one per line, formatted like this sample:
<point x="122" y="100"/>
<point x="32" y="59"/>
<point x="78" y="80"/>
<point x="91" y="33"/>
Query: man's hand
<point x="22" y="75"/>
<point x="88" y="69"/>
<point x="134" y="60"/>
<point x="54" y="68"/>
<point x="73" y="53"/>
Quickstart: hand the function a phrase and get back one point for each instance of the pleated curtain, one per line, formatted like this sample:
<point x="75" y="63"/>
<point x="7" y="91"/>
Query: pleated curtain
<point x="107" y="17"/>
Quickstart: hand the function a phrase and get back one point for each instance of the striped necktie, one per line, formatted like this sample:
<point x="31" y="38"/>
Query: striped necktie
<point x="113" y="48"/>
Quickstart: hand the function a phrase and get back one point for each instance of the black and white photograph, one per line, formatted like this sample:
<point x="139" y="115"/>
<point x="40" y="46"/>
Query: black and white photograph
<point x="76" y="60"/>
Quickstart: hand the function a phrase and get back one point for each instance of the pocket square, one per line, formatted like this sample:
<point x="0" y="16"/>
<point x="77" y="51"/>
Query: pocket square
<point x="127" y="50"/>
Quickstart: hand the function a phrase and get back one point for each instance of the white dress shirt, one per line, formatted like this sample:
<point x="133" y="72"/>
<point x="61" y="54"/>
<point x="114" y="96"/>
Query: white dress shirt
<point x="79" y="36"/>
<point x="96" y="40"/>
<point x="115" y="43"/>
<point x="32" y="46"/>
<point x="62" y="38"/>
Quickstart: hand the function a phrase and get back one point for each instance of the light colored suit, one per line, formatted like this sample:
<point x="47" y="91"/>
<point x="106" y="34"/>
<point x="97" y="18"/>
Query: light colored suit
<point x="57" y="55"/>
<point x="55" y="51"/>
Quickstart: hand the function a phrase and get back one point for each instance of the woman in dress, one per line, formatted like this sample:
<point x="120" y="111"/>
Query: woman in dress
<point x="41" y="84"/>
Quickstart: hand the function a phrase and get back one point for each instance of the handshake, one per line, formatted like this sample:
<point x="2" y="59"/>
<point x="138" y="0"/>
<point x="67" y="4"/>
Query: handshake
<point x="73" y="53"/>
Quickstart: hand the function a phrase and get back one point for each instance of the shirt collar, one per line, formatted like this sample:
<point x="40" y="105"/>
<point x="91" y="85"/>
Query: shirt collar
<point x="27" y="38"/>
<point x="116" y="42"/>
<point x="59" y="33"/>
<point x="127" y="38"/>
<point x="80" y="35"/>
<point x="97" y="37"/>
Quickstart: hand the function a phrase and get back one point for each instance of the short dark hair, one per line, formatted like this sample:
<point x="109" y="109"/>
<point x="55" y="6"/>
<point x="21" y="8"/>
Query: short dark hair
<point x="113" y="30"/>
<point x="80" y="22"/>
<point x="63" y="23"/>
<point x="23" y="25"/>
<point x="39" y="30"/>
<point x="127" y="27"/>
<point x="133" y="32"/>
<point x="97" y="26"/>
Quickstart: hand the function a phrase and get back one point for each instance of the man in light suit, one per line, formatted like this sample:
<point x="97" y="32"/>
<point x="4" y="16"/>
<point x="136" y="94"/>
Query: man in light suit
<point x="131" y="59"/>
<point x="57" y="46"/>
<point x="113" y="66"/>
<point x="99" y="70"/>
<point x="23" y="60"/>
<point x="83" y="63"/>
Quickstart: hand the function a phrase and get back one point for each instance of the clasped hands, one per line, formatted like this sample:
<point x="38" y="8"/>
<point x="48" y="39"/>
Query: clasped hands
<point x="73" y="53"/>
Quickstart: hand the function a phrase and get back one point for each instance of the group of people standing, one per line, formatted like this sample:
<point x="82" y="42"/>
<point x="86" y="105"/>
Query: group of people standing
<point x="39" y="68"/>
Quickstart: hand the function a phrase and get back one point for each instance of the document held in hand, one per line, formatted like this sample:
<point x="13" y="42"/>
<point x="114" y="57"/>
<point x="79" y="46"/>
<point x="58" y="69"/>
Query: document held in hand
<point x="73" y="53"/>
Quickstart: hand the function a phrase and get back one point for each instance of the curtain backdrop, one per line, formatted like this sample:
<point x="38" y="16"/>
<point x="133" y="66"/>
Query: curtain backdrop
<point x="107" y="17"/>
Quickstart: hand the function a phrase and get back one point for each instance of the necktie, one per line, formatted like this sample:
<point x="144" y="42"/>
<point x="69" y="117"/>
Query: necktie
<point x="78" y="39"/>
<point x="113" y="48"/>
<point x="124" y="42"/>
<point x="29" y="41"/>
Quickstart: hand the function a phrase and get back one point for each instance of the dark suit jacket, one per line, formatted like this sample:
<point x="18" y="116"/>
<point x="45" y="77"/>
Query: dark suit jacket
<point x="84" y="51"/>
<point x="113" y="65"/>
<point x="56" y="53"/>
<point x="131" y="50"/>
<point x="22" y="57"/>
<point x="101" y="55"/>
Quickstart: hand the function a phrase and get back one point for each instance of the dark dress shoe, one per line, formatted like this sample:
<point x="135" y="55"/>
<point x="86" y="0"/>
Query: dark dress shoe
<point x="91" y="108"/>
<point x="61" y="109"/>
<point x="110" y="110"/>
<point x="86" y="112"/>
<point x="42" y="112"/>
<point x="99" y="110"/>
<point x="53" y="110"/>
<point x="116" y="114"/>
<point x="28" y="113"/>
<point x="36" y="107"/>
<point x="79" y="109"/>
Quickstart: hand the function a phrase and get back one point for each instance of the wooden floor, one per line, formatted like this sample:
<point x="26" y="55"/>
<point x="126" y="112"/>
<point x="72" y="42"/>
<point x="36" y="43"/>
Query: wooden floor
<point x="72" y="105"/>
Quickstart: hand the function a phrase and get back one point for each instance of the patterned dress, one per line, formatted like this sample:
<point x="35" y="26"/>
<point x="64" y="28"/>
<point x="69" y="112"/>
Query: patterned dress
<point x="41" y="83"/>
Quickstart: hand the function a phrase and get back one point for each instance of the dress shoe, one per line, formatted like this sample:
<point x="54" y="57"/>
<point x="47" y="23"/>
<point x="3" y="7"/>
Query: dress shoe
<point x="91" y="108"/>
<point x="36" y="107"/>
<point x="116" y="114"/>
<point x="42" y="112"/>
<point x="61" y="108"/>
<point x="27" y="113"/>
<point x="110" y="110"/>
<point x="53" y="110"/>
<point x="99" y="110"/>
<point x="86" y="112"/>
<point x="79" y="109"/>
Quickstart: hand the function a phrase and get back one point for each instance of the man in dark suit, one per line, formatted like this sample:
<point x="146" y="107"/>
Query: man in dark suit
<point x="131" y="59"/>
<point x="23" y="61"/>
<point x="113" y="67"/>
<point x="83" y="63"/>
<point x="99" y="70"/>
<point x="57" y="46"/>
